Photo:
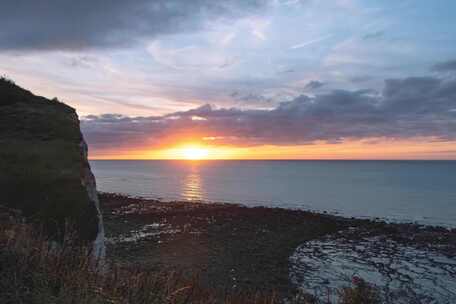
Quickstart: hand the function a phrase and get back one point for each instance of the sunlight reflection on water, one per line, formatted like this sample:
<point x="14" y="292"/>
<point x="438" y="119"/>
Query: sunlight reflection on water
<point x="192" y="185"/>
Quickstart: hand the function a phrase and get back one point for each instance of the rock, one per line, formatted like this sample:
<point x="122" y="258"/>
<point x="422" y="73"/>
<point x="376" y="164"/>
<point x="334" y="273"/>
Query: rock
<point x="44" y="171"/>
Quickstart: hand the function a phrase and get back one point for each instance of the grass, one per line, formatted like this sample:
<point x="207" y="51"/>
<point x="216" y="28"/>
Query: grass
<point x="36" y="270"/>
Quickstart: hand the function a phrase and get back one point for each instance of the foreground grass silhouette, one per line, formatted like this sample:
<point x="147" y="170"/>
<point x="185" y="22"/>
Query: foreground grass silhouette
<point x="36" y="270"/>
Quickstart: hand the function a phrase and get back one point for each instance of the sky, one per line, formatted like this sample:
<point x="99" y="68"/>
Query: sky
<point x="266" y="79"/>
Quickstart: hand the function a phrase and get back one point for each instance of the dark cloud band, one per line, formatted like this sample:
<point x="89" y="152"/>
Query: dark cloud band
<point x="75" y="25"/>
<point x="445" y="66"/>
<point x="405" y="108"/>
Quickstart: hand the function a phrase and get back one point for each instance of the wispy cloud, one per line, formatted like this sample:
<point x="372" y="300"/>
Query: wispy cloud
<point x="226" y="40"/>
<point x="259" y="27"/>
<point x="307" y="43"/>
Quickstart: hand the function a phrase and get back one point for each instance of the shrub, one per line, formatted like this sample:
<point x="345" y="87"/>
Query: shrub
<point x="7" y="80"/>
<point x="360" y="293"/>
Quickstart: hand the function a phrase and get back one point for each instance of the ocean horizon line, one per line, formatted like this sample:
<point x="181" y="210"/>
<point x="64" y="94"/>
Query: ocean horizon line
<point x="267" y="159"/>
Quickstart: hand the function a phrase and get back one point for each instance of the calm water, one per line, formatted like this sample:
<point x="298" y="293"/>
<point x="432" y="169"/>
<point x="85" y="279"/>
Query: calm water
<point x="421" y="191"/>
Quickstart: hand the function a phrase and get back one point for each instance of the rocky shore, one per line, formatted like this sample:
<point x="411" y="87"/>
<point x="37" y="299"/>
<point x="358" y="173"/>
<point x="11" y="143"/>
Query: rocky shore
<point x="232" y="247"/>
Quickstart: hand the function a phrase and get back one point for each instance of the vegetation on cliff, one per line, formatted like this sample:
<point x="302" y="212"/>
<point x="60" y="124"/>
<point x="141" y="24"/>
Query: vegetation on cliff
<point x="42" y="162"/>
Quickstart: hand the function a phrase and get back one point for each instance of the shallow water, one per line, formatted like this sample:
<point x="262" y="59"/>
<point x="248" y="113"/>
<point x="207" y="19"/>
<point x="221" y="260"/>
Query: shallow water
<point x="411" y="191"/>
<point x="149" y="231"/>
<point x="403" y="274"/>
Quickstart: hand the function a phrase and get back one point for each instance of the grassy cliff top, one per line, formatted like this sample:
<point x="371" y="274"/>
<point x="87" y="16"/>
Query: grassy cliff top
<point x="31" y="117"/>
<point x="42" y="162"/>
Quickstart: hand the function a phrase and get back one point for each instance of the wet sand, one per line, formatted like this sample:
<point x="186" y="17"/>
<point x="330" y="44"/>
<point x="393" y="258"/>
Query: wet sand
<point x="232" y="247"/>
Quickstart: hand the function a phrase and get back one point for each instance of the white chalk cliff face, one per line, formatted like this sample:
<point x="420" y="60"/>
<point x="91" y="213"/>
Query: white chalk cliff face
<point x="88" y="181"/>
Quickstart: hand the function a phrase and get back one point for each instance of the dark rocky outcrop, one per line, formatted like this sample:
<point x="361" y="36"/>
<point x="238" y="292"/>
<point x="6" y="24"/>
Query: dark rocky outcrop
<point x="44" y="170"/>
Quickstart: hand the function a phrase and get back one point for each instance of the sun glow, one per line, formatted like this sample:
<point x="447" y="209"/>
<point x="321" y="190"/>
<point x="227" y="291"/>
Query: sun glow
<point x="194" y="153"/>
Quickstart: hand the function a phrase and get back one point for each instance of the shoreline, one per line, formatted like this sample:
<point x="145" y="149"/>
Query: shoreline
<point x="337" y="214"/>
<point x="231" y="246"/>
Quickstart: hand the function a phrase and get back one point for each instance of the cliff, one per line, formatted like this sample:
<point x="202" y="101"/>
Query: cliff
<point x="44" y="171"/>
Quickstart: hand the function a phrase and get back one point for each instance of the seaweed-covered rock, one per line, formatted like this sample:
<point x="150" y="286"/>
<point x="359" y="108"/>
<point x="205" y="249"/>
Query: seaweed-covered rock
<point x="44" y="170"/>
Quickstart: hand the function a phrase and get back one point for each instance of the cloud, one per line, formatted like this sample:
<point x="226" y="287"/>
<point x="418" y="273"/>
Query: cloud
<point x="374" y="35"/>
<point x="445" y="66"/>
<point x="307" y="43"/>
<point x="286" y="71"/>
<point x="81" y="62"/>
<point x="75" y="25"/>
<point x="362" y="78"/>
<point x="250" y="98"/>
<point x="405" y="108"/>
<point x="259" y="28"/>
<point x="313" y="85"/>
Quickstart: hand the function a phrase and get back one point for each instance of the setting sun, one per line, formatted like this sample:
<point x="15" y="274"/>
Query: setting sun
<point x="194" y="153"/>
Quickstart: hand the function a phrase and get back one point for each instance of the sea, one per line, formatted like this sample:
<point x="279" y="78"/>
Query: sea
<point x="422" y="192"/>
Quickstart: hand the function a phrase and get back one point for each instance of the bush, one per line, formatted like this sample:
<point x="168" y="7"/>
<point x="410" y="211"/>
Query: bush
<point x="5" y="79"/>
<point x="360" y="293"/>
